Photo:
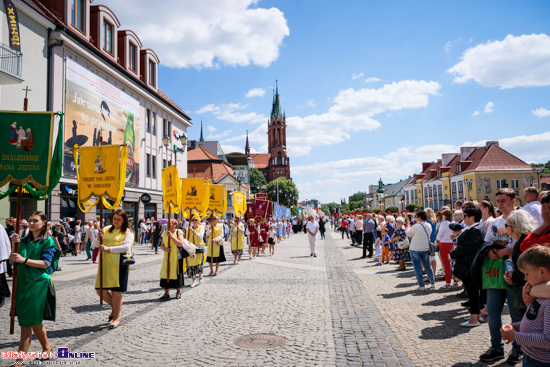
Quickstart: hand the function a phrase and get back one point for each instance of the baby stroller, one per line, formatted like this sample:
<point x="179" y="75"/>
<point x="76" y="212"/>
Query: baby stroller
<point x="67" y="246"/>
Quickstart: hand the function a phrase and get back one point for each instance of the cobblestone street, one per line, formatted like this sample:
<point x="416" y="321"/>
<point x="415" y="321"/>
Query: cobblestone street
<point x="332" y="310"/>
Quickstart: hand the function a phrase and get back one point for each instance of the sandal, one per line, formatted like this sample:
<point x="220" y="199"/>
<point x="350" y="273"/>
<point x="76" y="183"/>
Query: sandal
<point x="178" y="296"/>
<point x="446" y="286"/>
<point x="215" y="274"/>
<point x="164" y="297"/>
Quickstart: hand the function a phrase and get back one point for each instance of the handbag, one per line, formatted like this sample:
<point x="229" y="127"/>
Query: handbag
<point x="431" y="246"/>
<point x="128" y="258"/>
<point x="492" y="274"/>
<point x="461" y="269"/>
<point x="403" y="244"/>
<point x="189" y="247"/>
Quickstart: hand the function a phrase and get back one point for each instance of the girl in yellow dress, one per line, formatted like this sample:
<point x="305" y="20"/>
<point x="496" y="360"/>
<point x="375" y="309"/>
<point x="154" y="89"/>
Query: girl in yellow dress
<point x="215" y="240"/>
<point x="172" y="243"/>
<point x="117" y="239"/>
<point x="194" y="263"/>
<point x="237" y="240"/>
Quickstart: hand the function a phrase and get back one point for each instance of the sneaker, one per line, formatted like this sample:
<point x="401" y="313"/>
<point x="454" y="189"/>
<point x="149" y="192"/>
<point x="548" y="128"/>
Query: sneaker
<point x="446" y="286"/>
<point x="431" y="286"/>
<point x="492" y="354"/>
<point x="482" y="319"/>
<point x="515" y="356"/>
<point x="455" y="285"/>
<point x="468" y="324"/>
<point x="421" y="288"/>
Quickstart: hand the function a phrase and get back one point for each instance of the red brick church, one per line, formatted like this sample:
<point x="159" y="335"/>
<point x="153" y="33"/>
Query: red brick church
<point x="275" y="163"/>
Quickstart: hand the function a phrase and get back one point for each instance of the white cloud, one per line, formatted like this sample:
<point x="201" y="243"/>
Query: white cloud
<point x="218" y="136"/>
<point x="530" y="148"/>
<point x="357" y="76"/>
<point x="231" y="112"/>
<point x="372" y="80"/>
<point x="256" y="92"/>
<point x="211" y="128"/>
<point x="476" y="113"/>
<point x="522" y="61"/>
<point x="448" y="46"/>
<point x="489" y="107"/>
<point x="353" y="110"/>
<point x="541" y="112"/>
<point x="233" y="148"/>
<point x="205" y="33"/>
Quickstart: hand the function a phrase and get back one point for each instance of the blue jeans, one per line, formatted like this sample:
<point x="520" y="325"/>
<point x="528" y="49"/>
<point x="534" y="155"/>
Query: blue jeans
<point x="531" y="362"/>
<point x="495" y="304"/>
<point x="422" y="257"/>
<point x="88" y="248"/>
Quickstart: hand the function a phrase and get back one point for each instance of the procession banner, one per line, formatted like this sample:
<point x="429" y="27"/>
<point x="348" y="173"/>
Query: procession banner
<point x="195" y="195"/>
<point x="100" y="174"/>
<point x="260" y="208"/>
<point x="288" y="213"/>
<point x="171" y="189"/>
<point x="261" y="195"/>
<point x="96" y="108"/>
<point x="13" y="26"/>
<point x="26" y="160"/>
<point x="217" y="203"/>
<point x="239" y="204"/>
<point x="299" y="212"/>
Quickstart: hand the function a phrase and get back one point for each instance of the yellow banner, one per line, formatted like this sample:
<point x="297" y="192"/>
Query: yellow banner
<point x="239" y="203"/>
<point x="171" y="189"/>
<point x="100" y="174"/>
<point x="218" y="200"/>
<point x="195" y="195"/>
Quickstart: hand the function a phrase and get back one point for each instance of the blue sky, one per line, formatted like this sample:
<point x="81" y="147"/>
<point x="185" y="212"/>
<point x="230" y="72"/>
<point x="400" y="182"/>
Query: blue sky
<point x="370" y="88"/>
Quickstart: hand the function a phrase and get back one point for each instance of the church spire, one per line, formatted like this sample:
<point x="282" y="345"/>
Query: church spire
<point x="202" y="137"/>
<point x="247" y="146"/>
<point x="276" y="109"/>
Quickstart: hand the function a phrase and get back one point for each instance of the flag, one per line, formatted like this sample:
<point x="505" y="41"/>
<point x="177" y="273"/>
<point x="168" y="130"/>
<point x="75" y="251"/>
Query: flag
<point x="171" y="189"/>
<point x="99" y="174"/>
<point x="217" y="203"/>
<point x="261" y="208"/>
<point x="26" y="160"/>
<point x="194" y="196"/>
<point x="239" y="204"/>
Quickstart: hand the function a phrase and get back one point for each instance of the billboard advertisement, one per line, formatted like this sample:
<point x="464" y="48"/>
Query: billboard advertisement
<point x="95" y="108"/>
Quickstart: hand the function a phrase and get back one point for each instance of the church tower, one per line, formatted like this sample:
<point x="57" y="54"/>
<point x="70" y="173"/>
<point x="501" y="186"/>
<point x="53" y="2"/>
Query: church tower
<point x="279" y="164"/>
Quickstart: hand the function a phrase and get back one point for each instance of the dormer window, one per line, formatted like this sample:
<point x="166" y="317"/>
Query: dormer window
<point x="108" y="37"/>
<point x="152" y="73"/>
<point x="78" y="14"/>
<point x="458" y="168"/>
<point x="132" y="57"/>
<point x="439" y="173"/>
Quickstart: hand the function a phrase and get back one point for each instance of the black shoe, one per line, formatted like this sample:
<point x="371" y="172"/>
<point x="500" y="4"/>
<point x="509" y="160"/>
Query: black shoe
<point x="110" y="318"/>
<point x="2" y="301"/>
<point x="165" y="297"/>
<point x="363" y="257"/>
<point x="492" y="354"/>
<point x="515" y="356"/>
<point x="465" y="304"/>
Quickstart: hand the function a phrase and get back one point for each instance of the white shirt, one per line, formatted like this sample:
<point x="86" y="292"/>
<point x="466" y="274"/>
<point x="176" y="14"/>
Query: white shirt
<point x="534" y="208"/>
<point x="497" y="233"/>
<point x="312" y="227"/>
<point x="444" y="234"/>
<point x="126" y="243"/>
<point x="420" y="239"/>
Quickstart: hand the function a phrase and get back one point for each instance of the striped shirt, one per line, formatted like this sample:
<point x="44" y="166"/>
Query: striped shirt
<point x="534" y="331"/>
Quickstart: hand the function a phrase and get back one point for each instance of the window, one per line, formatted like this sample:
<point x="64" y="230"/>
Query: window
<point x="515" y="184"/>
<point x="439" y="173"/>
<point x="77" y="14"/>
<point x="148" y="121"/>
<point x="164" y="163"/>
<point x="501" y="184"/>
<point x="461" y="190"/>
<point x="154" y="166"/>
<point x="132" y="57"/>
<point x="148" y="165"/>
<point x="166" y="127"/>
<point x="108" y="37"/>
<point x="154" y="123"/>
<point x="152" y="73"/>
<point x="458" y="168"/>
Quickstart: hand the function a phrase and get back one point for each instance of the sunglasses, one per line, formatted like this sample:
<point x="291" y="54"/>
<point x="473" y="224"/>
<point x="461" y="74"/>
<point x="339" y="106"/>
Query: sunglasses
<point x="506" y="225"/>
<point x="195" y="220"/>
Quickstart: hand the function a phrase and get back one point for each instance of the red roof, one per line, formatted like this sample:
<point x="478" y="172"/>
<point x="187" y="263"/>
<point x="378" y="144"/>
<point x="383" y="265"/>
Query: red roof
<point x="495" y="158"/>
<point x="204" y="164"/>
<point x="201" y="154"/>
<point x="261" y="160"/>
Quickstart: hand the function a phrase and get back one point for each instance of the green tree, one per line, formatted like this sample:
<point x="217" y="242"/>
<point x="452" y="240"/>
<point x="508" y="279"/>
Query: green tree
<point x="358" y="196"/>
<point x="392" y="209"/>
<point x="257" y="181"/>
<point x="355" y="205"/>
<point x="412" y="206"/>
<point x="288" y="193"/>
<point x="328" y="207"/>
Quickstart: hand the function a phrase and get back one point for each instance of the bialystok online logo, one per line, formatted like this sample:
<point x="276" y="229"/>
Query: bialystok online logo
<point x="62" y="353"/>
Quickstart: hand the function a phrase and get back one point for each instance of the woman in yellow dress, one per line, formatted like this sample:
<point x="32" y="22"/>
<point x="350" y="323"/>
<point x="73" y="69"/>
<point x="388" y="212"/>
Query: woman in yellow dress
<point x="237" y="240"/>
<point x="215" y="240"/>
<point x="194" y="263"/>
<point x="172" y="243"/>
<point x="117" y="239"/>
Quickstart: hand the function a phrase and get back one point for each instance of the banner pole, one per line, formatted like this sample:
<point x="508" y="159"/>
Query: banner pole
<point x="169" y="246"/>
<point x="15" y="250"/>
<point x="100" y="241"/>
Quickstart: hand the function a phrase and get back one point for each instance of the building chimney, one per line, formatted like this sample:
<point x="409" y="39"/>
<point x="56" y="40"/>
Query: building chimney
<point x="491" y="142"/>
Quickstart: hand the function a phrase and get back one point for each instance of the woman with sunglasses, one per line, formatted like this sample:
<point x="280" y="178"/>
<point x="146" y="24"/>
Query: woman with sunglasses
<point x="195" y="235"/>
<point x="237" y="240"/>
<point x="172" y="242"/>
<point x="35" y="299"/>
<point x="113" y="241"/>
<point x="215" y="239"/>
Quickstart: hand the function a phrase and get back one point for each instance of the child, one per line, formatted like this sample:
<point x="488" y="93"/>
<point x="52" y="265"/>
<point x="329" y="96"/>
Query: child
<point x="386" y="249"/>
<point x="533" y="330"/>
<point x="271" y="240"/>
<point x="378" y="246"/>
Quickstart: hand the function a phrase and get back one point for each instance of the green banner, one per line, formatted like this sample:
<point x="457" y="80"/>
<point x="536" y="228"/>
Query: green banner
<point x="26" y="152"/>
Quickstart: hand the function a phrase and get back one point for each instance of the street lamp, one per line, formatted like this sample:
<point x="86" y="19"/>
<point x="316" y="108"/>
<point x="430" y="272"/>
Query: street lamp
<point x="278" y="175"/>
<point x="166" y="143"/>
<point x="538" y="168"/>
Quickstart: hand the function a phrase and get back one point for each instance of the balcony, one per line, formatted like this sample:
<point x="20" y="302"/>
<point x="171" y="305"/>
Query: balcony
<point x="11" y="65"/>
